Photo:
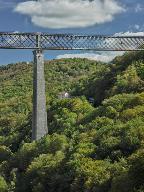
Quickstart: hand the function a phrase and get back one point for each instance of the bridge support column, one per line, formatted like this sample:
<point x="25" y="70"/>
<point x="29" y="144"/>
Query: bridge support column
<point x="39" y="119"/>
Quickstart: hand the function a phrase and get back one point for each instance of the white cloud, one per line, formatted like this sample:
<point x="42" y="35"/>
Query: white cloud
<point x="69" y="13"/>
<point x="139" y="8"/>
<point x="129" y="33"/>
<point x="7" y="4"/>
<point x="137" y="27"/>
<point x="103" y="56"/>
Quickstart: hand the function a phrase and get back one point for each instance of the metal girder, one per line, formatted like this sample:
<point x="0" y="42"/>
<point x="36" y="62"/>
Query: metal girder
<point x="46" y="41"/>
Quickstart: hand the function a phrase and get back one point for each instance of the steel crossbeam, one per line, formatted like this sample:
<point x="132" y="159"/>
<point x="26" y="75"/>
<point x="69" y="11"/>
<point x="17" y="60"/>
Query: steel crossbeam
<point x="46" y="41"/>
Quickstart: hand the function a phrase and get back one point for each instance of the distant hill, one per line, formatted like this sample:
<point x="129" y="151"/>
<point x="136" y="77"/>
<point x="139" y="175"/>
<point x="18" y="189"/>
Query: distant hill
<point x="90" y="148"/>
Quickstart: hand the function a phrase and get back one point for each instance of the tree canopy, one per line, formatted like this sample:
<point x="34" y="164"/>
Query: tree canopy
<point x="91" y="147"/>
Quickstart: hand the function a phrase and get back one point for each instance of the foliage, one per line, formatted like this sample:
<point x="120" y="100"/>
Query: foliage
<point x="89" y="148"/>
<point x="3" y="185"/>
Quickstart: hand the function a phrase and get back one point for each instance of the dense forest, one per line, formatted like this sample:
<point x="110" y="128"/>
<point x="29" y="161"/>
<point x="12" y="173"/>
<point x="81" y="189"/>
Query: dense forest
<point x="91" y="147"/>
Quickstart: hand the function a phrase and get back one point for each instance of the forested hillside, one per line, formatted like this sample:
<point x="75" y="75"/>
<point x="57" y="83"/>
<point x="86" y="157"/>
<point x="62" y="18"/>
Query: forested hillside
<point x="90" y="148"/>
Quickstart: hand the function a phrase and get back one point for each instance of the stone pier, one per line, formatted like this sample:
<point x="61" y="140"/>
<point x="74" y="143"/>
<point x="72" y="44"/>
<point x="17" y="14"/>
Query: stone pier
<point x="39" y="119"/>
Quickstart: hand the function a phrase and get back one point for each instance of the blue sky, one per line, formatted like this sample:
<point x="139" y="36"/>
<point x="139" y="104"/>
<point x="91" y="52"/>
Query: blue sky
<point x="129" y="17"/>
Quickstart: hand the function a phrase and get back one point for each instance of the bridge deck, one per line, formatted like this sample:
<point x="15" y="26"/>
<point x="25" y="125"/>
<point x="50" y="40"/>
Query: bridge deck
<point x="46" y="41"/>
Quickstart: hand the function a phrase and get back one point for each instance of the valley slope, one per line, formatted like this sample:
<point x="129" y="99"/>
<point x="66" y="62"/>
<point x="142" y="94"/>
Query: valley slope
<point x="90" y="148"/>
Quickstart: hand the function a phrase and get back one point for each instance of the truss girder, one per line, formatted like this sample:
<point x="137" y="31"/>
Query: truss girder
<point x="46" y="41"/>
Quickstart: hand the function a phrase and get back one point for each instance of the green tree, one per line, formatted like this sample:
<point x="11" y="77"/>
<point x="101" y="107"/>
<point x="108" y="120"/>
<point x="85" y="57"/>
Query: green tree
<point x="3" y="185"/>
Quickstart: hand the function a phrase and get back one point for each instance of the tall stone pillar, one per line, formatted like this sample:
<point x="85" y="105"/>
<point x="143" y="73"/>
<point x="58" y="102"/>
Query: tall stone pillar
<point x="39" y="121"/>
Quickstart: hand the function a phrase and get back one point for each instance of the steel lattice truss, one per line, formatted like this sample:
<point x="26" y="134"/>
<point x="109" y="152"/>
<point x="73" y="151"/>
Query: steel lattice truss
<point x="46" y="41"/>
